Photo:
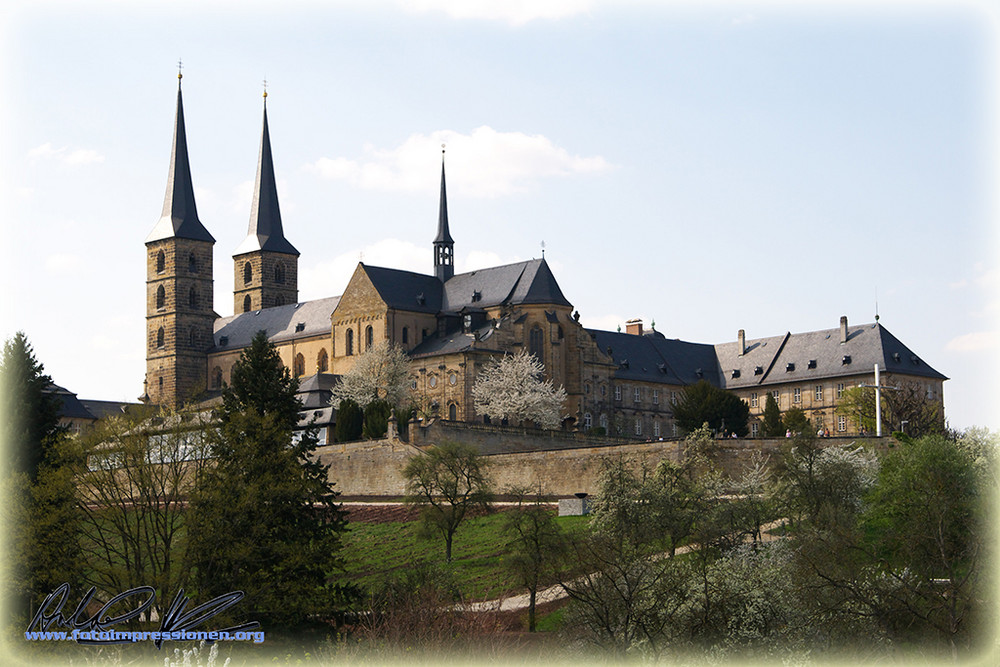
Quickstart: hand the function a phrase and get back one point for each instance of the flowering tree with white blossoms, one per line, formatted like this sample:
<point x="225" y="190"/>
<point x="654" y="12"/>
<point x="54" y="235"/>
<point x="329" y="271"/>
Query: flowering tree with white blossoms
<point x="512" y="388"/>
<point x="382" y="371"/>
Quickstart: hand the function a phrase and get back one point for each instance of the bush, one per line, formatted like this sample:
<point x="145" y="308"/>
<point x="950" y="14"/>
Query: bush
<point x="350" y="420"/>
<point x="377" y="419"/>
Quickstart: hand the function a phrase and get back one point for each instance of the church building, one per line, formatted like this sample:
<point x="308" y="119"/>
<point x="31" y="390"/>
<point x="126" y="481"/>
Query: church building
<point x="451" y="325"/>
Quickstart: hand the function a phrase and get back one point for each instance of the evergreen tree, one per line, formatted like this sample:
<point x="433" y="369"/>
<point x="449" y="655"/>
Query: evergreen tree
<point x="773" y="426"/>
<point x="29" y="412"/>
<point x="703" y="402"/>
<point x="265" y="520"/>
<point x="377" y="415"/>
<point x="350" y="421"/>
<point x="795" y="420"/>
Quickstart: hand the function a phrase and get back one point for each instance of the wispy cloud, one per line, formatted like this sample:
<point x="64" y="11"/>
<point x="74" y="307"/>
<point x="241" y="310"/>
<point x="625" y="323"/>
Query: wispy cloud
<point x="483" y="163"/>
<point x="978" y="341"/>
<point x="512" y="12"/>
<point x="75" y="157"/>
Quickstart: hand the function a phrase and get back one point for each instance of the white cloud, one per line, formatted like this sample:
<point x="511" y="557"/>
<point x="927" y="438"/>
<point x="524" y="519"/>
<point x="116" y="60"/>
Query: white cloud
<point x="330" y="277"/>
<point x="513" y="12"/>
<point x="745" y="19"/>
<point x="63" y="263"/>
<point x="483" y="163"/>
<point x="79" y="156"/>
<point x="975" y="342"/>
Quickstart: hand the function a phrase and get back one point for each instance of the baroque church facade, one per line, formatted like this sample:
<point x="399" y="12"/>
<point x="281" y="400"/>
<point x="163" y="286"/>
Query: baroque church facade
<point x="451" y="325"/>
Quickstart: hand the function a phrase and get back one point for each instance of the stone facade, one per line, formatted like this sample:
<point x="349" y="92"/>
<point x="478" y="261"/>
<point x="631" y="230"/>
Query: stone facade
<point x="264" y="279"/>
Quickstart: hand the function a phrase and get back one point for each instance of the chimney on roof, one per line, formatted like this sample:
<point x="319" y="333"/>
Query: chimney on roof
<point x="843" y="329"/>
<point x="742" y="338"/>
<point x="634" y="327"/>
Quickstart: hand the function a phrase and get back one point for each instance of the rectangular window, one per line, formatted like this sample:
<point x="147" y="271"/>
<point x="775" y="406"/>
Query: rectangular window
<point x="819" y="393"/>
<point x="587" y="420"/>
<point x="673" y="429"/>
<point x="754" y="402"/>
<point x="754" y="429"/>
<point x="636" y="395"/>
<point x="841" y="423"/>
<point x="656" y="429"/>
<point x="618" y="393"/>
<point x="840" y="390"/>
<point x="777" y="397"/>
<point x="673" y="398"/>
<point x="656" y="401"/>
<point x="638" y="425"/>
<point x="796" y="395"/>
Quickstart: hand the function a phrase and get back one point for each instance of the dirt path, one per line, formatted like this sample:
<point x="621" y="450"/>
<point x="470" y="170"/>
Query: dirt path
<point x="557" y="592"/>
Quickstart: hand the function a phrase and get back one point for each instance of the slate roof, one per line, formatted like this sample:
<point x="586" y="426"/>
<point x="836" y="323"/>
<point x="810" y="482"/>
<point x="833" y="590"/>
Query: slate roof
<point x="814" y="354"/>
<point x="443" y="235"/>
<point x="456" y="341"/>
<point x="281" y="323"/>
<point x="529" y="282"/>
<point x="70" y="407"/>
<point x="406" y="290"/>
<point x="819" y="354"/>
<point x="315" y="390"/>
<point x="265" y="232"/>
<point x="180" y="215"/>
<point x="654" y="358"/>
<point x="102" y="409"/>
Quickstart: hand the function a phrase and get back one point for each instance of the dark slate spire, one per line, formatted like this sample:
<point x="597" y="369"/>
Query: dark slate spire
<point x="444" y="245"/>
<point x="265" y="231"/>
<point x="180" y="216"/>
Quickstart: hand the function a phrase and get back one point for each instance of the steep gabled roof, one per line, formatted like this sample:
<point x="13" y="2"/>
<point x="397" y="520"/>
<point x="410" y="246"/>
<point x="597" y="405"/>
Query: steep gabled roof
<point x="265" y="231"/>
<point x="295" y="320"/>
<point x="406" y="290"/>
<point x="529" y="282"/>
<point x="180" y="215"/>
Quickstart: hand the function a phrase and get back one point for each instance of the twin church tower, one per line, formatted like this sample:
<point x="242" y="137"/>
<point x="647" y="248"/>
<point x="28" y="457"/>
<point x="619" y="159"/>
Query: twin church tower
<point x="179" y="287"/>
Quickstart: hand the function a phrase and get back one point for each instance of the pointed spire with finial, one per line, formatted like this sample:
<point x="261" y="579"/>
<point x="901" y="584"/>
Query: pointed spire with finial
<point x="265" y="231"/>
<point x="180" y="215"/>
<point x="444" y="245"/>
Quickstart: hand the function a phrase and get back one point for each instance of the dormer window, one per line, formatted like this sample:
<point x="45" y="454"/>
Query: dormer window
<point x="736" y="373"/>
<point x="477" y="296"/>
<point x="789" y="367"/>
<point x="914" y="360"/>
<point x="758" y="370"/>
<point x="845" y="360"/>
<point x="223" y="341"/>
<point x="300" y="326"/>
<point x="420" y="299"/>
<point x="812" y="363"/>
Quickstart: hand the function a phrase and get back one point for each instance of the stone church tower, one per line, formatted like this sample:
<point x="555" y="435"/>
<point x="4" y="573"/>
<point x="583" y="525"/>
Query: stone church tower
<point x="265" y="264"/>
<point x="179" y="297"/>
<point x="444" y="245"/>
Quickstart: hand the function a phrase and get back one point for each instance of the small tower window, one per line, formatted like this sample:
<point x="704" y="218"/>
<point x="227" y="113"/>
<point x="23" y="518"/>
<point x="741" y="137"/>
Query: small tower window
<point x="161" y="298"/>
<point x="160" y="338"/>
<point x="217" y="378"/>
<point x="406" y="335"/>
<point x="369" y="337"/>
<point x="279" y="273"/>
<point x="452" y="412"/>
<point x="192" y="263"/>
<point x="161" y="262"/>
<point x="322" y="362"/>
<point x="535" y="341"/>
<point x="193" y="298"/>
<point x="246" y="303"/>
<point x="247" y="273"/>
<point x="193" y="339"/>
<point x="349" y="343"/>
<point x="299" y="365"/>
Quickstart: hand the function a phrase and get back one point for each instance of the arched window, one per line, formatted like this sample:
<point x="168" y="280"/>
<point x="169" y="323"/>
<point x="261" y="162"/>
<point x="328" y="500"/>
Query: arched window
<point x="406" y="335"/>
<point x="535" y="343"/>
<point x="322" y="362"/>
<point x="349" y="343"/>
<point x="193" y="298"/>
<point x="369" y="337"/>
<point x="452" y="412"/>
<point x="588" y="421"/>
<point x="247" y="273"/>
<point x="216" y="378"/>
<point x="161" y="298"/>
<point x="279" y="273"/>
<point x="192" y="263"/>
<point x="193" y="339"/>
<point x="299" y="365"/>
<point x="160" y="337"/>
<point x="161" y="262"/>
<point x="246" y="303"/>
<point x="279" y="300"/>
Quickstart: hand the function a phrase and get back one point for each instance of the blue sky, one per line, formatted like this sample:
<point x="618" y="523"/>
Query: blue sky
<point x="709" y="167"/>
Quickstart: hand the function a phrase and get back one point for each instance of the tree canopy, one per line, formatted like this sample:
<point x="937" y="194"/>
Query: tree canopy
<point x="381" y="372"/>
<point x="702" y="403"/>
<point x="512" y="387"/>
<point x="265" y="519"/>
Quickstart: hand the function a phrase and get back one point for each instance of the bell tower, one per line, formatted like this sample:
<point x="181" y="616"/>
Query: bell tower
<point x="179" y="288"/>
<point x="444" y="245"/>
<point x="265" y="264"/>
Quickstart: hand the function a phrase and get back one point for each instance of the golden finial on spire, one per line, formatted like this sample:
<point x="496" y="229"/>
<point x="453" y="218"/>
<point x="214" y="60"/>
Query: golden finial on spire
<point x="180" y="64"/>
<point x="265" y="89"/>
<point x="442" y="152"/>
